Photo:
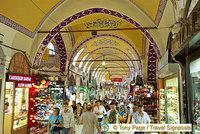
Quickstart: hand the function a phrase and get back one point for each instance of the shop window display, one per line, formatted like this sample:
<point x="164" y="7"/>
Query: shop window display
<point x="16" y="109"/>
<point x="172" y="98"/>
<point x="8" y="108"/>
<point x="20" y="107"/>
<point x="195" y="83"/>
<point x="47" y="99"/>
<point x="162" y="106"/>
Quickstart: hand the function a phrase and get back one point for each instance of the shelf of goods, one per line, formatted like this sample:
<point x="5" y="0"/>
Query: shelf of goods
<point x="45" y="99"/>
<point x="148" y="97"/>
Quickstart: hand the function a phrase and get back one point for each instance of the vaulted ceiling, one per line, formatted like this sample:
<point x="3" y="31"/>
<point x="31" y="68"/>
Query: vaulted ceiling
<point x="123" y="49"/>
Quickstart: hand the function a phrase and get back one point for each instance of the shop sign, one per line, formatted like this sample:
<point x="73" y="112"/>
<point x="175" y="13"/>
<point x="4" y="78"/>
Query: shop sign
<point x="23" y="85"/>
<point x="57" y="83"/>
<point x="116" y="79"/>
<point x="19" y="78"/>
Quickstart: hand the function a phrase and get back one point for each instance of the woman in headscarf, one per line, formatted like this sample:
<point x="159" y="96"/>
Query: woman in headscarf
<point x="112" y="119"/>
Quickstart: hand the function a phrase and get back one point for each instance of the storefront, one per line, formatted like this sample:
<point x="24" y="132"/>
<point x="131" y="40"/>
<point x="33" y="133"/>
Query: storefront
<point x="169" y="91"/>
<point x="44" y="96"/>
<point x="195" y="87"/>
<point x="186" y="51"/>
<point x="16" y="99"/>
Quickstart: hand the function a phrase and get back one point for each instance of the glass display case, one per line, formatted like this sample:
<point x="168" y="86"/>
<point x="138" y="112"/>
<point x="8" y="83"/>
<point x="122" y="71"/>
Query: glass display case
<point x="8" y="108"/>
<point x="162" y="106"/>
<point x="195" y="84"/>
<point x="20" y="108"/>
<point x="16" y="111"/>
<point x="172" y="97"/>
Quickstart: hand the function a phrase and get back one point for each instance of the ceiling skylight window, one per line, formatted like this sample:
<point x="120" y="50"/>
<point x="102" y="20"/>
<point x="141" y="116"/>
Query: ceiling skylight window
<point x="90" y="67"/>
<point x="51" y="49"/>
<point x="81" y="63"/>
<point x="77" y="56"/>
<point x="86" y="64"/>
<point x="136" y="62"/>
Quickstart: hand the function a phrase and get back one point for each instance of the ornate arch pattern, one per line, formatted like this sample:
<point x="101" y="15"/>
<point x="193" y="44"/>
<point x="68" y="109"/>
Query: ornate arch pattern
<point x="151" y="63"/>
<point x="62" y="51"/>
<point x="85" y="13"/>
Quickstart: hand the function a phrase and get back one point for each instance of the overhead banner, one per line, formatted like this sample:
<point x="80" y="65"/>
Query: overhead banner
<point x="116" y="79"/>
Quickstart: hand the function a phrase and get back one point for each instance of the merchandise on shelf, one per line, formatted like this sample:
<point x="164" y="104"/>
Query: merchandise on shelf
<point x="148" y="97"/>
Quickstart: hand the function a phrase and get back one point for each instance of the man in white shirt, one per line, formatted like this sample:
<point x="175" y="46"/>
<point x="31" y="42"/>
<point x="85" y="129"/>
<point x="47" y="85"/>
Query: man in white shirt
<point x="99" y="110"/>
<point x="67" y="100"/>
<point x="68" y="119"/>
<point x="141" y="117"/>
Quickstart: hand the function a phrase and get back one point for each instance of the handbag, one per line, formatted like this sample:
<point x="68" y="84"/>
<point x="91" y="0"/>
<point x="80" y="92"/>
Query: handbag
<point x="57" y="128"/>
<point x="100" y="119"/>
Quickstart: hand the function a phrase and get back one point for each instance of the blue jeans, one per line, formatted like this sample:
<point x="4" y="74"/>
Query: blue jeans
<point x="65" y="130"/>
<point x="54" y="132"/>
<point x="100" y="126"/>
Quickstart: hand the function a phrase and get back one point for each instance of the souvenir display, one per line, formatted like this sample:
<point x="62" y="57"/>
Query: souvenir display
<point x="148" y="97"/>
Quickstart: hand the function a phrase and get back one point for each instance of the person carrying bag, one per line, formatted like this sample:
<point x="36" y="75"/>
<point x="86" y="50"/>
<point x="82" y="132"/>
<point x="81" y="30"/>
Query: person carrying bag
<point x="55" y="122"/>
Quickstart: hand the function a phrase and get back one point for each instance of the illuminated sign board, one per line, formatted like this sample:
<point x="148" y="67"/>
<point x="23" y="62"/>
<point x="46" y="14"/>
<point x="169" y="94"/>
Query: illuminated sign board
<point x="23" y="85"/>
<point x="18" y="78"/>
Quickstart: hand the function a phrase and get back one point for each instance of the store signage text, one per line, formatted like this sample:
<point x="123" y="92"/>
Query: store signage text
<point x="116" y="79"/>
<point x="23" y="85"/>
<point x="20" y="78"/>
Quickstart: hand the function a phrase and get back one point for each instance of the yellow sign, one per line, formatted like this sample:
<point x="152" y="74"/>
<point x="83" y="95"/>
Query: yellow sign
<point x="107" y="77"/>
<point x="45" y="56"/>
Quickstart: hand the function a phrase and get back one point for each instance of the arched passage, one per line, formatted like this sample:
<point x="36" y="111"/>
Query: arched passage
<point x="85" y="13"/>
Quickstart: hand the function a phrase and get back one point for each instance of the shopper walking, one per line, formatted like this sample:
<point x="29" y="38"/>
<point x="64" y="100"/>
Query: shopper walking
<point x="68" y="119"/>
<point x="74" y="107"/>
<point x="89" y="122"/>
<point x="77" y="115"/>
<point x="67" y="100"/>
<point x="55" y="122"/>
<point x="112" y="118"/>
<point x="124" y="117"/>
<point x="84" y="107"/>
<point x="141" y="117"/>
<point x="99" y="110"/>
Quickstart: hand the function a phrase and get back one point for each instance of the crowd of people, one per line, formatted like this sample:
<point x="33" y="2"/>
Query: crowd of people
<point x="88" y="118"/>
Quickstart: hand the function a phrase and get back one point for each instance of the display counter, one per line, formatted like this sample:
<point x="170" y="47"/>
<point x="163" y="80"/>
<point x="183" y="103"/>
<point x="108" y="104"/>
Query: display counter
<point x="16" y="104"/>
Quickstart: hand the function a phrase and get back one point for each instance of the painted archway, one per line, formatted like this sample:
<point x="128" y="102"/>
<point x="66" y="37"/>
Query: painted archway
<point x="85" y="13"/>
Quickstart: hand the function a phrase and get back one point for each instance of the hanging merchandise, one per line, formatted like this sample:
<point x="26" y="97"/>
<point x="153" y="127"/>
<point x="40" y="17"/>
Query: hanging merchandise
<point x="47" y="96"/>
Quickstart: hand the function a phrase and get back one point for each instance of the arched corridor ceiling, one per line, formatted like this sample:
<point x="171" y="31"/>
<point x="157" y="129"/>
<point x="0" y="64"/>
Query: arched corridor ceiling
<point x="22" y="12"/>
<point x="32" y="16"/>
